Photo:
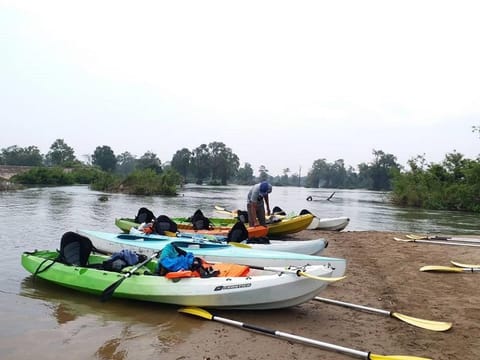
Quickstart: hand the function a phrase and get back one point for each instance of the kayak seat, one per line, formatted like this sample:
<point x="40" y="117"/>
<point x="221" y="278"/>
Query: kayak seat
<point x="164" y="224"/>
<point x="200" y="221"/>
<point x="237" y="233"/>
<point x="75" y="249"/>
<point x="144" y="215"/>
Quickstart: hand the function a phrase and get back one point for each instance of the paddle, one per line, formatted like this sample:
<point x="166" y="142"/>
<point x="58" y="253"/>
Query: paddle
<point x="444" y="238"/>
<point x="425" y="324"/>
<point x="456" y="263"/>
<point x="225" y="211"/>
<point x="108" y="292"/>
<point x="356" y="353"/>
<point x="297" y="272"/>
<point x="438" y="242"/>
<point x="439" y="268"/>
<point x="240" y="245"/>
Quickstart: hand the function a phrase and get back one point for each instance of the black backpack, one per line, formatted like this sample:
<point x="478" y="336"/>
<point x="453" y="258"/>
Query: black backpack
<point x="200" y="221"/>
<point x="237" y="233"/>
<point x="144" y="216"/>
<point x="164" y="223"/>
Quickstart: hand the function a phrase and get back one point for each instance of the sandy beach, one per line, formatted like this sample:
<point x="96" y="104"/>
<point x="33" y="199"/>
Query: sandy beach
<point x="381" y="273"/>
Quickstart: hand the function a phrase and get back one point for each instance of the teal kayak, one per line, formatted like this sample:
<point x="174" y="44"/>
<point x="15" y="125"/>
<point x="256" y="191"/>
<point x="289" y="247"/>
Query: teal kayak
<point x="211" y="251"/>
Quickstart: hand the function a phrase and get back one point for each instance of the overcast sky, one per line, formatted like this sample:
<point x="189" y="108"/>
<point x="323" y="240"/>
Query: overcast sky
<point x="282" y="83"/>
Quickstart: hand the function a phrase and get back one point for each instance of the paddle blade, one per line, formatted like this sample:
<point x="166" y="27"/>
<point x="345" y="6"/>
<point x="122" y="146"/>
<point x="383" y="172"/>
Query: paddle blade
<point x="395" y="357"/>
<point x="197" y="312"/>
<point x="403" y="240"/>
<point x="237" y="244"/>
<point x="440" y="268"/>
<point x="321" y="278"/>
<point x="108" y="292"/>
<point x="425" y="324"/>
<point x="461" y="265"/>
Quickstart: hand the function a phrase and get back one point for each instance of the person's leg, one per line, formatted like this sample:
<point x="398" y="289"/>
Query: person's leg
<point x="261" y="213"/>
<point x="251" y="215"/>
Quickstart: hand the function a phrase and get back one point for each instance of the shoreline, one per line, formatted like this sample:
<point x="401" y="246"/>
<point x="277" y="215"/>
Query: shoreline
<point x="381" y="273"/>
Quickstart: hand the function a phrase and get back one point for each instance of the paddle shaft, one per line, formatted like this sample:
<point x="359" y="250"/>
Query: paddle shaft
<point x="357" y="353"/>
<point x="321" y="344"/>
<point x="297" y="272"/>
<point x="354" y="306"/>
<point x="438" y="242"/>
<point x="108" y="292"/>
<point x="444" y="238"/>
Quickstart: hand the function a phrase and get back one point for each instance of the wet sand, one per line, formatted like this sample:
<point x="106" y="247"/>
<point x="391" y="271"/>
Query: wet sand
<point x="381" y="273"/>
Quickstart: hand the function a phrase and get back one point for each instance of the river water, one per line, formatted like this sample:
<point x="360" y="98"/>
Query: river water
<point x="43" y="321"/>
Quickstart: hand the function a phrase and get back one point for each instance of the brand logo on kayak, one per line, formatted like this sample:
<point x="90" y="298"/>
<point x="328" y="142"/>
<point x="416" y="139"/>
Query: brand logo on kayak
<point x="228" y="287"/>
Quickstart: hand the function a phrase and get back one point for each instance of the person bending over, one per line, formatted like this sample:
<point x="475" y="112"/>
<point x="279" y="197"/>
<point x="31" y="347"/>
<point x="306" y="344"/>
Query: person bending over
<point x="257" y="195"/>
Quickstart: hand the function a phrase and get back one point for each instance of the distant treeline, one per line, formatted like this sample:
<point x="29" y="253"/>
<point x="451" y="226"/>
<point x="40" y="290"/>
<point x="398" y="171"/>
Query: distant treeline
<point x="454" y="184"/>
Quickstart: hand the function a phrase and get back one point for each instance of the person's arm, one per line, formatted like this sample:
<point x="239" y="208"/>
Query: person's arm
<point x="267" y="202"/>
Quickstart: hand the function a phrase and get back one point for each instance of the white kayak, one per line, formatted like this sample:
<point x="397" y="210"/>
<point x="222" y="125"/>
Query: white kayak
<point x="211" y="251"/>
<point x="308" y="247"/>
<point x="259" y="289"/>
<point x="329" y="224"/>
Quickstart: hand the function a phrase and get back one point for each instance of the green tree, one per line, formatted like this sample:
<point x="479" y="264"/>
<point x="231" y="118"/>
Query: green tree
<point x="338" y="174"/>
<point x="149" y="160"/>
<point x="224" y="163"/>
<point x="245" y="175"/>
<point x="284" y="180"/>
<point x="453" y="184"/>
<point x="104" y="157"/>
<point x="181" y="162"/>
<point x="319" y="174"/>
<point x="125" y="163"/>
<point x="263" y="173"/>
<point x="14" y="155"/>
<point x="61" y="154"/>
<point x="381" y="170"/>
<point x="201" y="163"/>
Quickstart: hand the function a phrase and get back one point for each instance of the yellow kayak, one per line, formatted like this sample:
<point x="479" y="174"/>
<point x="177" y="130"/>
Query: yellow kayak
<point x="280" y="226"/>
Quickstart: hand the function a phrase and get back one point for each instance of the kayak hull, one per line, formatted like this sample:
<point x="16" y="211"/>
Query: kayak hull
<point x="329" y="224"/>
<point x="260" y="290"/>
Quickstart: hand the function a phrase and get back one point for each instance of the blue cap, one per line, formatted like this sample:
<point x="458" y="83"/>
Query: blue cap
<point x="265" y="188"/>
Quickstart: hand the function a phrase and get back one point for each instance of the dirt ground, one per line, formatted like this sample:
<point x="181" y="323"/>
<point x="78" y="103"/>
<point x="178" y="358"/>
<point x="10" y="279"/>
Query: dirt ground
<point x="381" y="273"/>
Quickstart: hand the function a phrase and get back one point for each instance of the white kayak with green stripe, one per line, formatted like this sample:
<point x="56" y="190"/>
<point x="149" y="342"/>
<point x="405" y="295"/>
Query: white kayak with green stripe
<point x="271" y="288"/>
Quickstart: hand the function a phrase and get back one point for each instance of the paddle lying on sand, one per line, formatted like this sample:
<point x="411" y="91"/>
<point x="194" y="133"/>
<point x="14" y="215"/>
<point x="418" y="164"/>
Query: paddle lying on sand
<point x="459" y="264"/>
<point x="298" y="272"/>
<point x="425" y="324"/>
<point x="440" y="268"/>
<point x="321" y="344"/>
<point x="438" y="242"/>
<point x="444" y="238"/>
<point x="108" y="292"/>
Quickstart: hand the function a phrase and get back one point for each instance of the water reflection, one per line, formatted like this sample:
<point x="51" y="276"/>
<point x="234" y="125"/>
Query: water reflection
<point x="114" y="330"/>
